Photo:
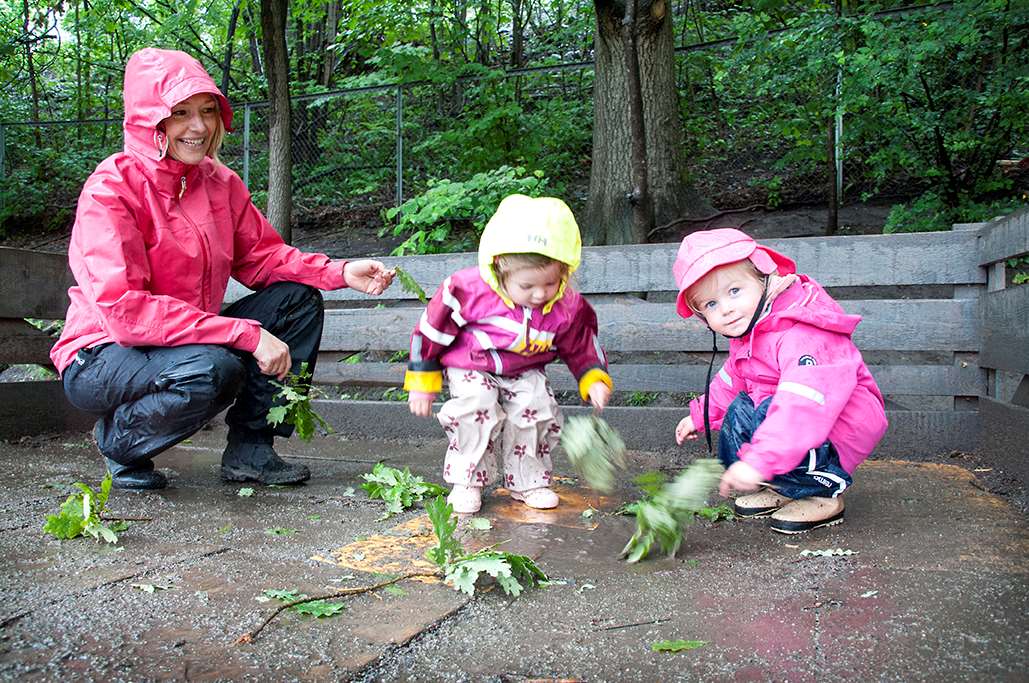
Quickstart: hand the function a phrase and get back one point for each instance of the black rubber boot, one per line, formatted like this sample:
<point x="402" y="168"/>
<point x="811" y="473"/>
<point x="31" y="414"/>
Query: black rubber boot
<point x="252" y="458"/>
<point x="142" y="477"/>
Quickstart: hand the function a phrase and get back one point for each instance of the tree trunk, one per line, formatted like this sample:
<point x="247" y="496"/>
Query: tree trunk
<point x="609" y="214"/>
<point x="642" y="208"/>
<point x="32" y="74"/>
<point x="255" y="50"/>
<point x="229" y="35"/>
<point x="280" y="163"/>
<point x="517" y="35"/>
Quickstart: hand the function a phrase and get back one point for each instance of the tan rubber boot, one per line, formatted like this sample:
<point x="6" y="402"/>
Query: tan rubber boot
<point x="764" y="502"/>
<point x="805" y="514"/>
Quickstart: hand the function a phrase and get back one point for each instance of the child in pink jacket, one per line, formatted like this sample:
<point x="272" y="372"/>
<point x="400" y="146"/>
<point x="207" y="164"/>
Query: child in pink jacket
<point x="796" y="407"/>
<point x="493" y="329"/>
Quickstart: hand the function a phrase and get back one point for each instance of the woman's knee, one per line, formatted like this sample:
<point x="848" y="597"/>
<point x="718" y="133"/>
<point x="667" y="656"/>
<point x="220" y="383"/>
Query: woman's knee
<point x="206" y="373"/>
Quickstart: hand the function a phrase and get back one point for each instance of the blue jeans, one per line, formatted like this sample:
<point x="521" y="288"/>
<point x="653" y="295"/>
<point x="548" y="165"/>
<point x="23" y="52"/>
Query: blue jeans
<point x="818" y="474"/>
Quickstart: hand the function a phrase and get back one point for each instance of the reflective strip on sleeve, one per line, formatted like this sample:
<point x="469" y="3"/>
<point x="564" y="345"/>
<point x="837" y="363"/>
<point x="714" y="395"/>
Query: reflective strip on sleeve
<point x="453" y="304"/>
<point x="803" y="390"/>
<point x="724" y="376"/>
<point x="432" y="333"/>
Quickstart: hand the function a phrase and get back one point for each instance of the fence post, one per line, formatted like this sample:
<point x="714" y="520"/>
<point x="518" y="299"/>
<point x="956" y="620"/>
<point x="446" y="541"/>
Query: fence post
<point x="399" y="198"/>
<point x="246" y="145"/>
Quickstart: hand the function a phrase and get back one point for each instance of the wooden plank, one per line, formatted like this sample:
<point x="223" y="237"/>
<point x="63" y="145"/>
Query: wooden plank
<point x="1005" y="329"/>
<point x="917" y="435"/>
<point x="22" y="343"/>
<point x="1005" y="433"/>
<point x="35" y="284"/>
<point x="889" y="324"/>
<point x="915" y="380"/>
<point x="858" y="260"/>
<point x="28" y="408"/>
<point x="1004" y="239"/>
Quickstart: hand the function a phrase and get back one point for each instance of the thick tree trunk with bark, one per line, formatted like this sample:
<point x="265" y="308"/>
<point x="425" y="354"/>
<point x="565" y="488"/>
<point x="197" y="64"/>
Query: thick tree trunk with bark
<point x="280" y="163"/>
<point x="609" y="213"/>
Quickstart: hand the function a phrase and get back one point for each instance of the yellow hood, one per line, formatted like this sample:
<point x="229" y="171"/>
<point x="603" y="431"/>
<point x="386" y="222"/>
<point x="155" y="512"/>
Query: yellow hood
<point x="527" y="225"/>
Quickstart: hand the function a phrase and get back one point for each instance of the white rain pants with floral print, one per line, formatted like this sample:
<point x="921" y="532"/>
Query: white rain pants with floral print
<point x="516" y="415"/>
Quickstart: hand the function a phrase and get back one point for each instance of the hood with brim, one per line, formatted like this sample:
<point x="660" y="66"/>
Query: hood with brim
<point x="530" y="225"/>
<point x="702" y="252"/>
<point x="155" y="81"/>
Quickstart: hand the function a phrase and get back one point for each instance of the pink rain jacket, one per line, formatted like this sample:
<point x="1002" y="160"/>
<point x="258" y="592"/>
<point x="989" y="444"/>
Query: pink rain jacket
<point x="800" y="353"/>
<point x="467" y="325"/>
<point x="155" y="240"/>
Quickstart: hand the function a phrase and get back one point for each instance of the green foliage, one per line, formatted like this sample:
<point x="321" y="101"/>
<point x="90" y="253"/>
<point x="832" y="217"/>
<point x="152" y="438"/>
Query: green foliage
<point x="663" y="518"/>
<point x="594" y="449"/>
<point x="1020" y="270"/>
<point x="676" y="645"/>
<point x="930" y="212"/>
<point x="314" y="608"/>
<point x="450" y="216"/>
<point x="409" y="284"/>
<point x="642" y="399"/>
<point x="398" y="488"/>
<point x="294" y="398"/>
<point x="512" y="572"/>
<point x="80" y="515"/>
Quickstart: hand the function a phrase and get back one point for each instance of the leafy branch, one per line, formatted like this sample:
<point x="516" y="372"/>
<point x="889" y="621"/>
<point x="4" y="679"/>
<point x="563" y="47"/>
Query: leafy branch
<point x="409" y="284"/>
<point x="80" y="515"/>
<point x="462" y="569"/>
<point x="663" y="518"/>
<point x="295" y="397"/>
<point x="595" y="450"/>
<point x="398" y="488"/>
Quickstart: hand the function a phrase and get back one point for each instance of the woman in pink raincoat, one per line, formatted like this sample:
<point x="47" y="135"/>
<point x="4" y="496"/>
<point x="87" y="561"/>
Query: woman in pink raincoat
<point x="795" y="404"/>
<point x="160" y="227"/>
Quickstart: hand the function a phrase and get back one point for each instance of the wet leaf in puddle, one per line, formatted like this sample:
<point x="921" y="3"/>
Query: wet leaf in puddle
<point x="245" y="492"/>
<point x="480" y="524"/>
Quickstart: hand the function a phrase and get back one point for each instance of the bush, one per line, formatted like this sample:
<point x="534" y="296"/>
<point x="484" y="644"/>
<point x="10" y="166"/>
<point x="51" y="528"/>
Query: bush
<point x="450" y="215"/>
<point x="929" y="212"/>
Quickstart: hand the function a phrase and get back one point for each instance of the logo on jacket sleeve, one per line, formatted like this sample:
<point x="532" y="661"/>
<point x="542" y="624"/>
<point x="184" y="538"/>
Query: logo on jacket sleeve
<point x="807" y="360"/>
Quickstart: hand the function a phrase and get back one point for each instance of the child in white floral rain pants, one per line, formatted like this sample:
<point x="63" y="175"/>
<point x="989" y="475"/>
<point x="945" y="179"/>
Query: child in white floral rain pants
<point x="493" y="329"/>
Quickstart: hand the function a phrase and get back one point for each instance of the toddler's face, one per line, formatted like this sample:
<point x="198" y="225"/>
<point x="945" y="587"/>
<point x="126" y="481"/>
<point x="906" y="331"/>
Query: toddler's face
<point x="727" y="297"/>
<point x="533" y="286"/>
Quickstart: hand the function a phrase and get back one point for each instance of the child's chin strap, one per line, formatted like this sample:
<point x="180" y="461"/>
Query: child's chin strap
<point x="714" y="350"/>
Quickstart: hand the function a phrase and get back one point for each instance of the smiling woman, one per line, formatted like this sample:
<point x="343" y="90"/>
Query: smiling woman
<point x="194" y="129"/>
<point x="159" y="229"/>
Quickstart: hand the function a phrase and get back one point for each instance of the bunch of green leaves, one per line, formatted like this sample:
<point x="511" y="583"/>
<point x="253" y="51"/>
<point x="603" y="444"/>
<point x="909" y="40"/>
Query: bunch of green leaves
<point x="409" y="284"/>
<point x="294" y="398"/>
<point x="450" y="215"/>
<point x="595" y="450"/>
<point x="398" y="488"/>
<point x="314" y="608"/>
<point x="663" y="518"/>
<point x="461" y="569"/>
<point x="80" y="515"/>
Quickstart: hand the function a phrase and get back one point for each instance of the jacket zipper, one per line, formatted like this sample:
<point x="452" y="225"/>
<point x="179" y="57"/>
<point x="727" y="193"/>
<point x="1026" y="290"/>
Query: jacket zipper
<point x="202" y="242"/>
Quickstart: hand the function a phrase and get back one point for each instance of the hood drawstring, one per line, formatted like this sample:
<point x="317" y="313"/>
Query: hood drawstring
<point x="714" y="351"/>
<point x="161" y="142"/>
<point x="182" y="186"/>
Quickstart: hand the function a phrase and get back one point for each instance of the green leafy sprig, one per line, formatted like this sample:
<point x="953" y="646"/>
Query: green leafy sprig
<point x="315" y="608"/>
<point x="663" y="518"/>
<point x="398" y="488"/>
<point x="409" y="284"/>
<point x="461" y="569"/>
<point x="295" y="408"/>
<point x="80" y="515"/>
<point x="595" y="450"/>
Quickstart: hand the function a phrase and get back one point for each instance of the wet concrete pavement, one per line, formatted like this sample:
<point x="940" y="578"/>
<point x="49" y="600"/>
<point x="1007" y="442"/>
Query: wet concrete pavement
<point x="937" y="588"/>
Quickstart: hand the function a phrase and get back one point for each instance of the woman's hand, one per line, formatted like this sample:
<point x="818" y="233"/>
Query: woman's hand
<point x="272" y="355"/>
<point x="370" y="277"/>
<point x="420" y="403"/>
<point x="686" y="430"/>
<point x="599" y="394"/>
<point x="740" y="477"/>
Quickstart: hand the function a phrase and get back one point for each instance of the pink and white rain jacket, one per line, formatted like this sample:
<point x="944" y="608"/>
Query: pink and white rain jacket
<point x="155" y="240"/>
<point x="468" y="325"/>
<point x="800" y="353"/>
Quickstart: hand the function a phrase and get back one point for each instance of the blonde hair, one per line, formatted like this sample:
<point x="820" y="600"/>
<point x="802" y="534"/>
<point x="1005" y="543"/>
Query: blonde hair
<point x="698" y="291"/>
<point x="217" y="137"/>
<point x="505" y="264"/>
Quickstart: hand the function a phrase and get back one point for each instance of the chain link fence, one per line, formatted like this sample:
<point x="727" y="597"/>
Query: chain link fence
<point x="375" y="147"/>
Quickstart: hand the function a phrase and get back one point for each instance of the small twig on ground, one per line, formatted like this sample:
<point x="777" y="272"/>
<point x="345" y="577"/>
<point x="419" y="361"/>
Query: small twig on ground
<point x="250" y="636"/>
<point x="638" y="623"/>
